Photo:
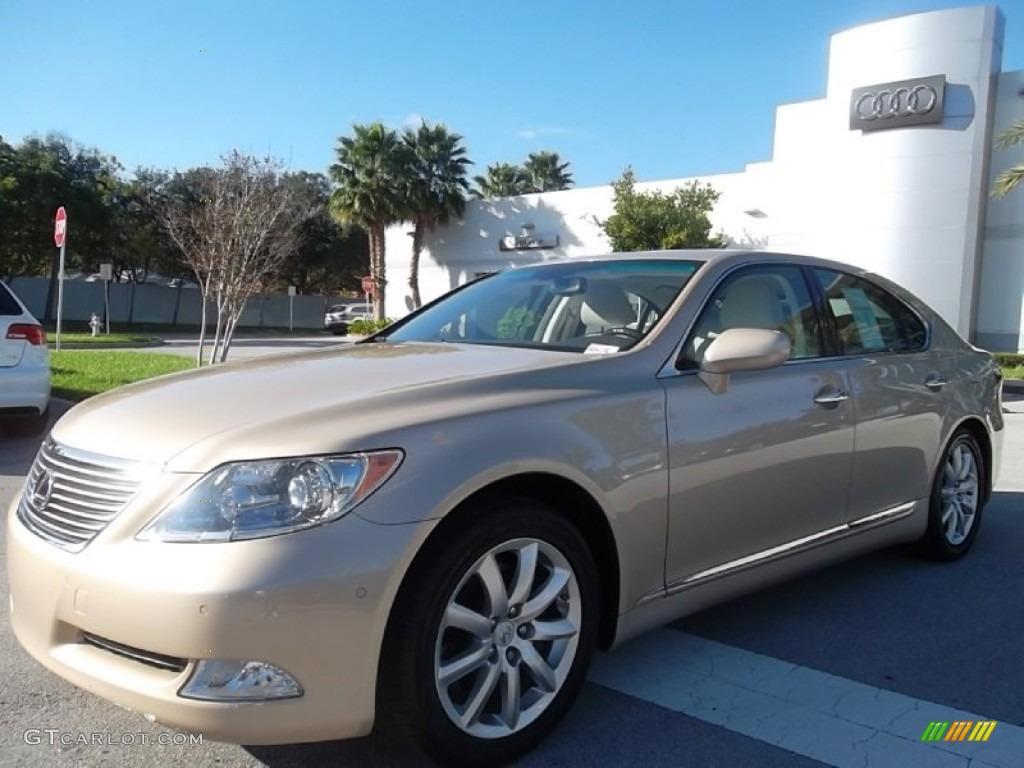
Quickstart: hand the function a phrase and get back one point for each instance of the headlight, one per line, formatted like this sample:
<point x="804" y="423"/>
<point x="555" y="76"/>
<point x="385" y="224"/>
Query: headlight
<point x="252" y="499"/>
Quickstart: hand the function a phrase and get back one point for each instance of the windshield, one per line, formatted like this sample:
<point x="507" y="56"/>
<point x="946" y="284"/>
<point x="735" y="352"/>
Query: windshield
<point x="597" y="306"/>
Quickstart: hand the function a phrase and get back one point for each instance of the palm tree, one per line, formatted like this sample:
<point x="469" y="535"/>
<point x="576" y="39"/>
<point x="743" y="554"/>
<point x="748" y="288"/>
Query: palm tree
<point x="1008" y="180"/>
<point x="547" y="172"/>
<point x="502" y="180"/>
<point x="436" y="186"/>
<point x="369" y="175"/>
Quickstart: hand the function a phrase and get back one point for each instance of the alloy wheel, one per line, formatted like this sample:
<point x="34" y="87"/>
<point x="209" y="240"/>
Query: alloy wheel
<point x="959" y="492"/>
<point x="508" y="638"/>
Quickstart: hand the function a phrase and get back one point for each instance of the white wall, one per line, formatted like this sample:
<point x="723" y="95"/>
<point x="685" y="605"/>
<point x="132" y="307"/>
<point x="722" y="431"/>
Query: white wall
<point x="1001" y="298"/>
<point x="456" y="253"/>
<point x="904" y="202"/>
<point x="910" y="203"/>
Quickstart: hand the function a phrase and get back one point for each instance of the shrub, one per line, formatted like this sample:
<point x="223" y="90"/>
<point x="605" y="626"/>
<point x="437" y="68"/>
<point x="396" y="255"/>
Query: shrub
<point x="1009" y="359"/>
<point x="367" y="327"/>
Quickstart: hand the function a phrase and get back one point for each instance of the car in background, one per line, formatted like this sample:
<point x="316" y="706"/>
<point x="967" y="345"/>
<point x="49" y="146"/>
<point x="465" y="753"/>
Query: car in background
<point x="430" y="531"/>
<point x="24" y="369"/>
<point x="338" y="317"/>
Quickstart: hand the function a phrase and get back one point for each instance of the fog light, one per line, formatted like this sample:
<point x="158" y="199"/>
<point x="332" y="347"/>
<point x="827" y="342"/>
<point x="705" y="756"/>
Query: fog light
<point x="215" y="680"/>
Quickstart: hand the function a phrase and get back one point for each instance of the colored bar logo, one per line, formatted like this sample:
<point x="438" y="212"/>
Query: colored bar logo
<point x="959" y="730"/>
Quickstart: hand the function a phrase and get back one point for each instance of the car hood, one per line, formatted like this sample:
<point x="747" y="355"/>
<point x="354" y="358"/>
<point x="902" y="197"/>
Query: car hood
<point x="312" y="402"/>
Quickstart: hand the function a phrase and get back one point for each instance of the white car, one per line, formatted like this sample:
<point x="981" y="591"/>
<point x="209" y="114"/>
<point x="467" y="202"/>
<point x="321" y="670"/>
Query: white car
<point x="24" y="369"/>
<point x="338" y="317"/>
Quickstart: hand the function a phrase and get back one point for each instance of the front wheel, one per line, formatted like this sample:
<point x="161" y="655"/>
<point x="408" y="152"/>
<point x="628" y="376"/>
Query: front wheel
<point x="489" y="647"/>
<point x="958" y="494"/>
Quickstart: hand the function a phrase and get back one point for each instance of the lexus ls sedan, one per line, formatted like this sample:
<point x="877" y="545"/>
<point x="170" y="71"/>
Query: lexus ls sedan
<point x="541" y="463"/>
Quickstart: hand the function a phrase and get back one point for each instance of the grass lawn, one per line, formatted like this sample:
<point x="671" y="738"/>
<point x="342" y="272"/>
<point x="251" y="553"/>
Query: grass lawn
<point x="103" y="338"/>
<point x="78" y="374"/>
<point x="1014" y="372"/>
<point x="148" y="330"/>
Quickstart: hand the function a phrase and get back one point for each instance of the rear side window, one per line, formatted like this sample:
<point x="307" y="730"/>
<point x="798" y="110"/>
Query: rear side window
<point x="8" y="306"/>
<point x="868" y="318"/>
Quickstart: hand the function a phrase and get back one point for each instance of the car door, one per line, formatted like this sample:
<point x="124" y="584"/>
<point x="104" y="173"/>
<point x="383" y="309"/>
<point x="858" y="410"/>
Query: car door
<point x="897" y="382"/>
<point x="761" y="468"/>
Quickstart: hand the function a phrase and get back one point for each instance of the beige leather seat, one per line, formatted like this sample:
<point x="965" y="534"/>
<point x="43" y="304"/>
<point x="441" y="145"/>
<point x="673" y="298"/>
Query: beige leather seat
<point x="605" y="305"/>
<point x="752" y="302"/>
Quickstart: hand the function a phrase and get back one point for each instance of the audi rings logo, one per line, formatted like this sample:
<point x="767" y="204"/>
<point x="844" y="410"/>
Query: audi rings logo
<point x="901" y="102"/>
<point x="897" y="105"/>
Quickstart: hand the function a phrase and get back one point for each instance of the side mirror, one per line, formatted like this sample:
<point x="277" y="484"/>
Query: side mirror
<point x="742" y="349"/>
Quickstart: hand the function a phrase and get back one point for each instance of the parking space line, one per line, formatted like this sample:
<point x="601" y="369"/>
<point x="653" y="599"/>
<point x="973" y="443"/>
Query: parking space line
<point x="827" y="718"/>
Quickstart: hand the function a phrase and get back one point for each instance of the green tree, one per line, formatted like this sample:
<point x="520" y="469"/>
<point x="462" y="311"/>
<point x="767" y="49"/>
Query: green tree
<point x="35" y="179"/>
<point x="1009" y="179"/>
<point x="503" y="180"/>
<point x="646" y="221"/>
<point x="370" y="191"/>
<point x="436" y="187"/>
<point x="547" y="172"/>
<point x="329" y="257"/>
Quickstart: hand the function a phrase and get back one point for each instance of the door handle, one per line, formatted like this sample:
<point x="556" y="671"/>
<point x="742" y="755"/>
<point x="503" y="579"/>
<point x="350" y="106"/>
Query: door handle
<point x="935" y="382"/>
<point x="831" y="397"/>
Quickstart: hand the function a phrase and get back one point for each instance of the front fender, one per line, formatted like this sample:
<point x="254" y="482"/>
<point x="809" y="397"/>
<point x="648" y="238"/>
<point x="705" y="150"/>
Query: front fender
<point x="612" y="446"/>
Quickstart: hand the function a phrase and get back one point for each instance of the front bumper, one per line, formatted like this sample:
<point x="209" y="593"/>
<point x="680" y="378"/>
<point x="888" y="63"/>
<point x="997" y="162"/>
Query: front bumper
<point x="313" y="603"/>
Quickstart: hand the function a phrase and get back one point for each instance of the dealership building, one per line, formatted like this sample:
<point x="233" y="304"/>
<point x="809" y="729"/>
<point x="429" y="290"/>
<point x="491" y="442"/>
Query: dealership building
<point x="890" y="170"/>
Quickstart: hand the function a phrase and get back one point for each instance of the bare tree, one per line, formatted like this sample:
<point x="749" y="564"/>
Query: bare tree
<point x="235" y="225"/>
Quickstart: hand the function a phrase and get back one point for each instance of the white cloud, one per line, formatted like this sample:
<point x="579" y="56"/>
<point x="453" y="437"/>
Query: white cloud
<point x="543" y="130"/>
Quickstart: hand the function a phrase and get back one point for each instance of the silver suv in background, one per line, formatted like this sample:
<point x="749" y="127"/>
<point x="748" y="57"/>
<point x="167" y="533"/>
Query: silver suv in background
<point x="338" y="317"/>
<point x="24" y="368"/>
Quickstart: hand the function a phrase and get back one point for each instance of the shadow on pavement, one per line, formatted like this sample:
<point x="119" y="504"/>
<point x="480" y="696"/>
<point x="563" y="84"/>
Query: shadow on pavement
<point x="17" y="453"/>
<point x="369" y="751"/>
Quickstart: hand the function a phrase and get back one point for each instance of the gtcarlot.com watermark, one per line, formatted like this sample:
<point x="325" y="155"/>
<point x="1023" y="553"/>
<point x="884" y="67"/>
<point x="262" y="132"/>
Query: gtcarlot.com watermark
<point x="56" y="737"/>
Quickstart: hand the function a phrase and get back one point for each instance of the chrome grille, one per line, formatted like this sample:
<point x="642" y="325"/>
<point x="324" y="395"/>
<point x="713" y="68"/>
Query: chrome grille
<point x="70" y="496"/>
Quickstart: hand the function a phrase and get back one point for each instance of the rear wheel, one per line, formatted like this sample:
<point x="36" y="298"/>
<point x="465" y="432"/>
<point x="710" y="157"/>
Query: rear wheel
<point x="489" y="647"/>
<point x="958" y="493"/>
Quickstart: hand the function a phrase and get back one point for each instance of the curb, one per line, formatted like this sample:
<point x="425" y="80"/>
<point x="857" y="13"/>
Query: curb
<point x="115" y="345"/>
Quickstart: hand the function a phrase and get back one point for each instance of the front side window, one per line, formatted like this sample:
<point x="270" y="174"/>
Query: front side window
<point x="596" y="306"/>
<point x="869" y="319"/>
<point x="771" y="297"/>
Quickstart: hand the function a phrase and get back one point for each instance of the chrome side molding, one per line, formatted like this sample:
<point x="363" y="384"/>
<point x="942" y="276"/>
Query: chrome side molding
<point x="886" y="516"/>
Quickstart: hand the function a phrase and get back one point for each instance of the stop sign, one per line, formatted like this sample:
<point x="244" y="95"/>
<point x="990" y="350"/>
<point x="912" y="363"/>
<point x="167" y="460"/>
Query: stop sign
<point x="60" y="226"/>
<point x="368" y="284"/>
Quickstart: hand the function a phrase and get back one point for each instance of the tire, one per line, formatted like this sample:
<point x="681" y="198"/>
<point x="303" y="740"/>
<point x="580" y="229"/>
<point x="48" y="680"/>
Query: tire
<point x="27" y="426"/>
<point x="416" y="701"/>
<point x="957" y="500"/>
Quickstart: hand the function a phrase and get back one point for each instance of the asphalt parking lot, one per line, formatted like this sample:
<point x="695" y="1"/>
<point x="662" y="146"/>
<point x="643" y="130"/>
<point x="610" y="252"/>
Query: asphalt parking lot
<point x="845" y="667"/>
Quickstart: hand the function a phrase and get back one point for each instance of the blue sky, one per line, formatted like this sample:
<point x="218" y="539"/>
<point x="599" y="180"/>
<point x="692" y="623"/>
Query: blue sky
<point x="671" y="87"/>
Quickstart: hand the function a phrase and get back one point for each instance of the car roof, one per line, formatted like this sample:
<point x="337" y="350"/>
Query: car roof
<point x="718" y="256"/>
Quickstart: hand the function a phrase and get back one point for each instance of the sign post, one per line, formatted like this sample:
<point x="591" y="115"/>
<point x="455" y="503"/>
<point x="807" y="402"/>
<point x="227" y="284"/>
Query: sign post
<point x="60" y="231"/>
<point x="106" y="275"/>
<point x="368" y="289"/>
<point x="291" y="308"/>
